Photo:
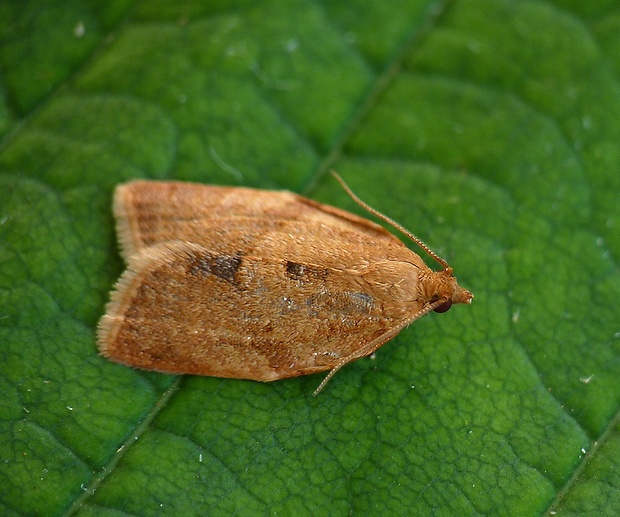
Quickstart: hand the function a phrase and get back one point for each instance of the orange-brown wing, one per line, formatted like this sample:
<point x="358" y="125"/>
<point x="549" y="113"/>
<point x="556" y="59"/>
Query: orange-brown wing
<point x="249" y="222"/>
<point x="182" y="308"/>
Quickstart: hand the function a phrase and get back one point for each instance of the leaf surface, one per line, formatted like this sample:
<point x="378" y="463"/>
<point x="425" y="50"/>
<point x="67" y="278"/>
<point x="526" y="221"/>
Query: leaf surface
<point x="490" y="129"/>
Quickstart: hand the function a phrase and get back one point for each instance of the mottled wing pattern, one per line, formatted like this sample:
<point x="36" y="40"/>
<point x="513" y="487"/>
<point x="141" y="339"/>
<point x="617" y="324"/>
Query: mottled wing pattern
<point x="229" y="316"/>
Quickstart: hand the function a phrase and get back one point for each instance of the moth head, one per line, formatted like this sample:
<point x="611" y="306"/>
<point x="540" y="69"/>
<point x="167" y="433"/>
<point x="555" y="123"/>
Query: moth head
<point x="442" y="290"/>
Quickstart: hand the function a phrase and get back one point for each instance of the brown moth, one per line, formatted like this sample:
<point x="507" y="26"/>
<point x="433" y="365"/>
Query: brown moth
<point x="254" y="284"/>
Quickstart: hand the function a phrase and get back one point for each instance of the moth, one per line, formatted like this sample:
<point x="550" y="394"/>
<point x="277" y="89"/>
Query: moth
<point x="254" y="284"/>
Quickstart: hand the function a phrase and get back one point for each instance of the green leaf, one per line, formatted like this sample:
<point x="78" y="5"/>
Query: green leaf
<point x="490" y="129"/>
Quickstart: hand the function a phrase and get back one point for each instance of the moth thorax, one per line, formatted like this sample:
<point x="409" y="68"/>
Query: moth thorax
<point x="393" y="280"/>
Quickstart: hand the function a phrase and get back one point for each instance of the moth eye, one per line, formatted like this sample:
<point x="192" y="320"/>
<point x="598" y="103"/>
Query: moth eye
<point x="444" y="306"/>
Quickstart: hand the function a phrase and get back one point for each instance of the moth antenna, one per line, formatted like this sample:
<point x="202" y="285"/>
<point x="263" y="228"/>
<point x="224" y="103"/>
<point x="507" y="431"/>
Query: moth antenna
<point x="391" y="222"/>
<point x="326" y="379"/>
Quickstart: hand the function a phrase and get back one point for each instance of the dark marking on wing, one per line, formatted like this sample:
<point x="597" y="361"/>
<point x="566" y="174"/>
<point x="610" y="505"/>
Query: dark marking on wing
<point x="226" y="267"/>
<point x="294" y="270"/>
<point x="221" y="266"/>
